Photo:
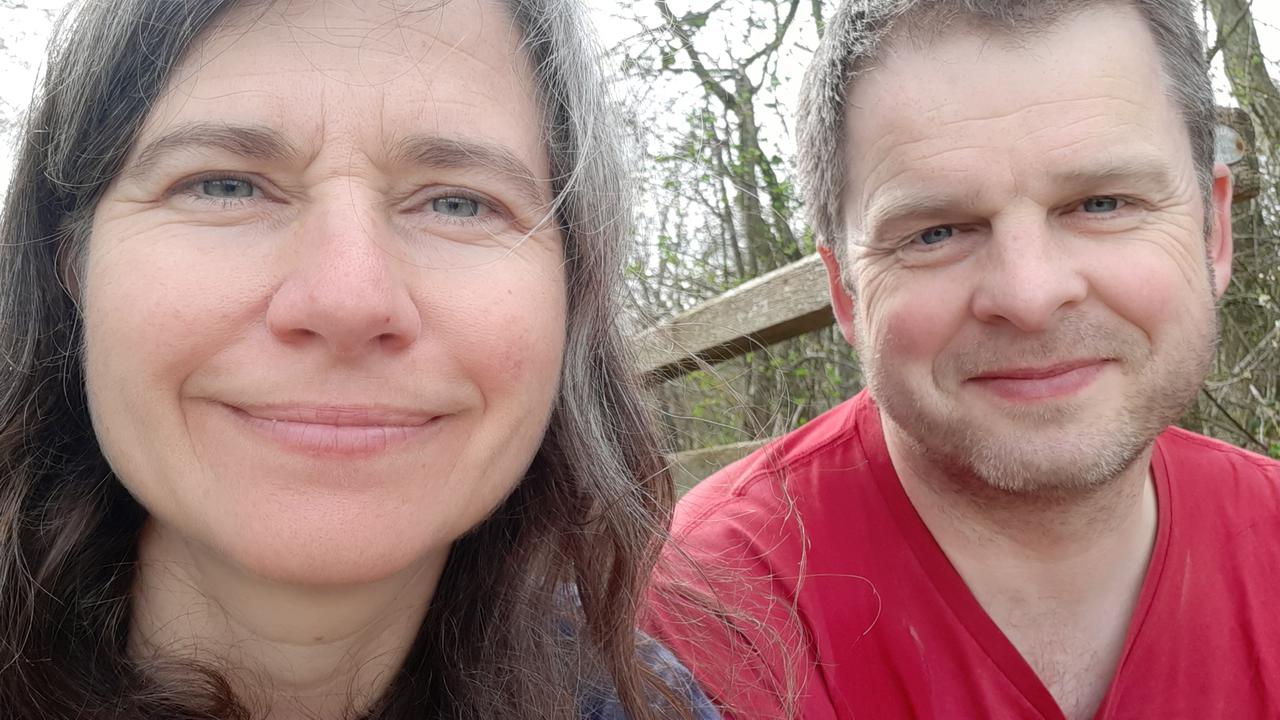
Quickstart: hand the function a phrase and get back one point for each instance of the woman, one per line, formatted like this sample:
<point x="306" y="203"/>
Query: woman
<point x="315" y="405"/>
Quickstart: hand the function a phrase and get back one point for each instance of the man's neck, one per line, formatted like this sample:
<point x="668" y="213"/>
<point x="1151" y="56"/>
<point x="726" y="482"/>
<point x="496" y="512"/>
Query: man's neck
<point x="302" y="652"/>
<point x="1059" y="573"/>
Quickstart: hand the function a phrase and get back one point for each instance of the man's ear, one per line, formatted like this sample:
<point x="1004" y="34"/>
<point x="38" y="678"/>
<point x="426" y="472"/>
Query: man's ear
<point x="1220" y="242"/>
<point x="841" y="299"/>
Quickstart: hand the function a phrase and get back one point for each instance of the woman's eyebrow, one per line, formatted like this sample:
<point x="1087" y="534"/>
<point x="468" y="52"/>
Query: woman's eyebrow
<point x="437" y="151"/>
<point x="265" y="143"/>
<point x="251" y="141"/>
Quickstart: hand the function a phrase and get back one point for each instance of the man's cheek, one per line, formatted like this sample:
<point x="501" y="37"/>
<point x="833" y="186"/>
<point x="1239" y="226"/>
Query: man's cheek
<point x="1151" y="295"/>
<point x="912" y="332"/>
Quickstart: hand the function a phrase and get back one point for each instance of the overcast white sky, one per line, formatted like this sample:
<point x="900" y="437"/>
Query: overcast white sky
<point x="25" y="25"/>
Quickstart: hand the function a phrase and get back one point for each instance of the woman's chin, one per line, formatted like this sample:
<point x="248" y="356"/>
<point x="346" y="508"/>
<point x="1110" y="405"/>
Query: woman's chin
<point x="318" y="551"/>
<point x="323" y="565"/>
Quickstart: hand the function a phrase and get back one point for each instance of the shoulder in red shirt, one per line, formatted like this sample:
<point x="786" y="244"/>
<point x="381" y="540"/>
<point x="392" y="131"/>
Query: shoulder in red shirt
<point x="803" y="584"/>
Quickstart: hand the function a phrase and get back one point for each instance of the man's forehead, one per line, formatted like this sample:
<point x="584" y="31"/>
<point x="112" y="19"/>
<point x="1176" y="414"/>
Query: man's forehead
<point x="1085" y="83"/>
<point x="1057" y="61"/>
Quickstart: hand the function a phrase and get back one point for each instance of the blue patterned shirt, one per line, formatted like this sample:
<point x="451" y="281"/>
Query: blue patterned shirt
<point x="605" y="706"/>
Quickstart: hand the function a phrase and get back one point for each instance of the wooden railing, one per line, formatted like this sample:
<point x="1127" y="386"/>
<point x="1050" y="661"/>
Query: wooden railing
<point x="793" y="300"/>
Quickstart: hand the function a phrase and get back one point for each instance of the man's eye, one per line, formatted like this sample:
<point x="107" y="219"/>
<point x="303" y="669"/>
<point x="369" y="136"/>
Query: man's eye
<point x="1101" y="205"/>
<point x="227" y="188"/>
<point x="458" y="207"/>
<point x="933" y="236"/>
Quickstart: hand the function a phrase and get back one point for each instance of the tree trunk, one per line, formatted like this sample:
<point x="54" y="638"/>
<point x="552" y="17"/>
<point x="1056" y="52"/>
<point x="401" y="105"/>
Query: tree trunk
<point x="1251" y="84"/>
<point x="746" y="177"/>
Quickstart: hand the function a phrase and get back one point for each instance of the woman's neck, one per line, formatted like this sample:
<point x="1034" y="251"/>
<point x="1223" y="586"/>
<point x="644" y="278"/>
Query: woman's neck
<point x="295" y="651"/>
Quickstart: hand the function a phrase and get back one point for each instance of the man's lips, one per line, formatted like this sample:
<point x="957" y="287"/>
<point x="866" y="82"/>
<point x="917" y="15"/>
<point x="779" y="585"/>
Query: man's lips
<point x="334" y="430"/>
<point x="1037" y="373"/>
<point x="1023" y="384"/>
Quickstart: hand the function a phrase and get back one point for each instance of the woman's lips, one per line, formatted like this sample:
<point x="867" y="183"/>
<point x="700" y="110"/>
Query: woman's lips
<point x="335" y="431"/>
<point x="1040" y="383"/>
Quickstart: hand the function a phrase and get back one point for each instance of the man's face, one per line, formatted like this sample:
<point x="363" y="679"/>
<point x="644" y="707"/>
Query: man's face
<point x="1034" y="290"/>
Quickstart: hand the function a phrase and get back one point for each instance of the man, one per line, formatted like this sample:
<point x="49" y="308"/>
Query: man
<point x="1025" y="235"/>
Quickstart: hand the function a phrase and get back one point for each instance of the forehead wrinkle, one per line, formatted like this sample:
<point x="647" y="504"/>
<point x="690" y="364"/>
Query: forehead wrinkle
<point x="905" y="158"/>
<point x="509" y="50"/>
<point x="1029" y="128"/>
<point x="1053" y="104"/>
<point x="933" y="111"/>
<point x="411" y="33"/>
<point x="349" y="26"/>
<point x="1110" y="117"/>
<point x="1085" y="142"/>
<point x="864" y="173"/>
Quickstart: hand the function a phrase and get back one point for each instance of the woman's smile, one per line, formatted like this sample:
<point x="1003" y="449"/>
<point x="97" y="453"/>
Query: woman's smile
<point x="340" y="431"/>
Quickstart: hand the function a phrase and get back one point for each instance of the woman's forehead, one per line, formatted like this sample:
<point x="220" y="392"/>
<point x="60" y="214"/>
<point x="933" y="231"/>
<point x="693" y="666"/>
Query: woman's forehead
<point x="374" y="31"/>
<point x="372" y="73"/>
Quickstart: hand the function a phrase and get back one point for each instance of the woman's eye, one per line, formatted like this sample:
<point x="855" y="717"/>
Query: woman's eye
<point x="227" y="188"/>
<point x="1101" y="205"/>
<point x="458" y="207"/>
<point x="933" y="236"/>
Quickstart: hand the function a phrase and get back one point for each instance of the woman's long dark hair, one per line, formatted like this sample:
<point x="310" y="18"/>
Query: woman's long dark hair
<point x="503" y="638"/>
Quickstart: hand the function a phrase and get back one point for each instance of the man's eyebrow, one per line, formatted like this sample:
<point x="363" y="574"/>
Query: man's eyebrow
<point x="250" y="141"/>
<point x="436" y="151"/>
<point x="1144" y="171"/>
<point x="911" y="202"/>
<point x="1140" y="172"/>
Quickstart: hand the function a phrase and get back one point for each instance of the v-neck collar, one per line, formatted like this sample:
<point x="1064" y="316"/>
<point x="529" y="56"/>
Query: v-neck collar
<point x="956" y="594"/>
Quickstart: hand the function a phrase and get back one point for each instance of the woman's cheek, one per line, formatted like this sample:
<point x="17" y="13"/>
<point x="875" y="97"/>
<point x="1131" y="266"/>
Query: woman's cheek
<point x="157" y="315"/>
<point x="517" y="334"/>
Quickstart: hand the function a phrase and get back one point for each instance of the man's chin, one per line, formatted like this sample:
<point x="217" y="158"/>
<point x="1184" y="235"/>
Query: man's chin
<point x="1025" y="455"/>
<point x="1039" y="462"/>
<point x="996" y="414"/>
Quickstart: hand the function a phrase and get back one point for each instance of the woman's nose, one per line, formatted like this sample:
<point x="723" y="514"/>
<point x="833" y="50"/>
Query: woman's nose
<point x="344" y="288"/>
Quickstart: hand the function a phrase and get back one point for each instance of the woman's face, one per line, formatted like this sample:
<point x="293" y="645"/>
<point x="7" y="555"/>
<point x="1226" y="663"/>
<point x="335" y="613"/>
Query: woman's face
<point x="324" y="302"/>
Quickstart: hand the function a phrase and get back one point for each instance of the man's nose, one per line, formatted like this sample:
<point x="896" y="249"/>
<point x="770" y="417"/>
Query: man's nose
<point x="344" y="288"/>
<point x="1028" y="274"/>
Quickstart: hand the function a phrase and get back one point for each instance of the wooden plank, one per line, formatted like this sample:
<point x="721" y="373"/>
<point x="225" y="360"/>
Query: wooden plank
<point x="783" y="304"/>
<point x="691" y="467"/>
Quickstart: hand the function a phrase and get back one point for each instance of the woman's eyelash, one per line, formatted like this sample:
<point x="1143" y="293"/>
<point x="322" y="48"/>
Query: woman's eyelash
<point x="444" y="202"/>
<point x="454" y="204"/>
<point x="226" y="190"/>
<point x="202" y="188"/>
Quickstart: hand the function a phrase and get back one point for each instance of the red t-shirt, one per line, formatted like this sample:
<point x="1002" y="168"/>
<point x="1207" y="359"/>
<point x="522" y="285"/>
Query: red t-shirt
<point x="828" y="588"/>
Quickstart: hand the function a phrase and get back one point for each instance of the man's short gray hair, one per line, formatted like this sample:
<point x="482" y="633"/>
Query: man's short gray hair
<point x="860" y="29"/>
